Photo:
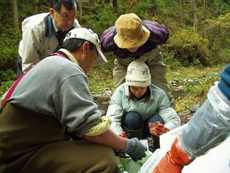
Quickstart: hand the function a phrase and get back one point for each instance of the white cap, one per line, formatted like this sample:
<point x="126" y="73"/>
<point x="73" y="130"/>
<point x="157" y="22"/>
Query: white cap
<point x="88" y="35"/>
<point x="138" y="74"/>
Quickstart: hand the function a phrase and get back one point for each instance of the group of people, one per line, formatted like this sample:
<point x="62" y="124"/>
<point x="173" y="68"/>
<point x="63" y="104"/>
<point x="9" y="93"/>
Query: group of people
<point x="50" y="101"/>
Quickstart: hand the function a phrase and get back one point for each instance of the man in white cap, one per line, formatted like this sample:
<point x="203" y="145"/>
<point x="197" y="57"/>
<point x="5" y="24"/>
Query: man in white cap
<point x="130" y="39"/>
<point x="51" y="101"/>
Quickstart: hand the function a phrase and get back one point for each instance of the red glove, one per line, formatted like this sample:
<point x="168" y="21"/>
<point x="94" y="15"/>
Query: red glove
<point x="123" y="135"/>
<point x="173" y="161"/>
<point x="157" y="129"/>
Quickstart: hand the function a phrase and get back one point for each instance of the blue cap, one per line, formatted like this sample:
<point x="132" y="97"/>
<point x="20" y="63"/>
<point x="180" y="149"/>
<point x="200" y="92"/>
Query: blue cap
<point x="224" y="84"/>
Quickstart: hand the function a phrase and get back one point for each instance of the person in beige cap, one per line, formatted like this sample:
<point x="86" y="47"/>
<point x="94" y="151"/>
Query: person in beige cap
<point x="137" y="105"/>
<point x="51" y="101"/>
<point x="130" y="39"/>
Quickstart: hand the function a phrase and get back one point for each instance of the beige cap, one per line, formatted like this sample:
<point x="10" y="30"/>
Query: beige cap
<point x="130" y="31"/>
<point x="88" y="35"/>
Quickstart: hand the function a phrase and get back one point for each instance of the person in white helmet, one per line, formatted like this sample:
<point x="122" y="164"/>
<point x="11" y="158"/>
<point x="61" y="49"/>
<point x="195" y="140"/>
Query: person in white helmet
<point x="138" y="104"/>
<point x="51" y="101"/>
<point x="132" y="38"/>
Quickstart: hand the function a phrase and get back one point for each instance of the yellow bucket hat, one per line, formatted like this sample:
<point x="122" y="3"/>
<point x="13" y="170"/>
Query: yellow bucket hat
<point x="130" y="31"/>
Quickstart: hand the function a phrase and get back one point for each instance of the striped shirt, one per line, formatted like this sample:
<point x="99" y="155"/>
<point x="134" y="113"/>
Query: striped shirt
<point x="158" y="35"/>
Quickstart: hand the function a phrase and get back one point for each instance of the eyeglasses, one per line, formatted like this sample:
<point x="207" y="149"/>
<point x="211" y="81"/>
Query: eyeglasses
<point x="66" y="17"/>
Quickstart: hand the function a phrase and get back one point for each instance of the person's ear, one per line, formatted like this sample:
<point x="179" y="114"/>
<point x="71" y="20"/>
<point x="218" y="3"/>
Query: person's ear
<point x="51" y="12"/>
<point x="85" y="47"/>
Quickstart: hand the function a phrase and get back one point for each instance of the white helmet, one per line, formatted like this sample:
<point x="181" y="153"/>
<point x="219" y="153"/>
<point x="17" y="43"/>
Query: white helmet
<point x="138" y="74"/>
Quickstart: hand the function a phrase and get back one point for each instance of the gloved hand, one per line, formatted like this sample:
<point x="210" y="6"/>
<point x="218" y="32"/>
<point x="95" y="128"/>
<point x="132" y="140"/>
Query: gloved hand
<point x="135" y="149"/>
<point x="157" y="129"/>
<point x="173" y="161"/>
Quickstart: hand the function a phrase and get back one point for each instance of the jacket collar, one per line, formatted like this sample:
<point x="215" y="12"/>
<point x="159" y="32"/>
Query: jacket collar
<point x="68" y="54"/>
<point x="50" y="27"/>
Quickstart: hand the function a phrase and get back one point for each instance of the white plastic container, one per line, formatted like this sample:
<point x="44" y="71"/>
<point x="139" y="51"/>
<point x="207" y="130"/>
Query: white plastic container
<point x="216" y="160"/>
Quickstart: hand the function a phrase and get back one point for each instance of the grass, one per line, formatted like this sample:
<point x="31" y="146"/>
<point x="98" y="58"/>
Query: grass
<point x="195" y="83"/>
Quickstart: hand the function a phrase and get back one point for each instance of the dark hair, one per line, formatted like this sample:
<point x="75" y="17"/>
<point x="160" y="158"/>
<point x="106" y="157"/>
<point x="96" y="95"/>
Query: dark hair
<point x="56" y="4"/>
<point x="146" y="96"/>
<point x="74" y="44"/>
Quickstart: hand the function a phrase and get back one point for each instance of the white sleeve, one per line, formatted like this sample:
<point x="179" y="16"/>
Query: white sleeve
<point x="115" y="113"/>
<point x="31" y="43"/>
<point x="170" y="118"/>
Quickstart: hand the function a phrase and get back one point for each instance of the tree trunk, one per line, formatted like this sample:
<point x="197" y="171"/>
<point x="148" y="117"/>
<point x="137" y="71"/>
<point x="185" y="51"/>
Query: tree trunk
<point x="181" y="12"/>
<point x="107" y="1"/>
<point x="15" y="13"/>
<point x="115" y="3"/>
<point x="23" y="7"/>
<point x="80" y="11"/>
<point x="194" y="15"/>
<point x="36" y="8"/>
<point x="205" y="9"/>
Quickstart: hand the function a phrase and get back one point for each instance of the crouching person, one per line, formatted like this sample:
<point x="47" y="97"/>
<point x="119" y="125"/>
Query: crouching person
<point x="209" y="127"/>
<point x="51" y="101"/>
<point x="139" y="108"/>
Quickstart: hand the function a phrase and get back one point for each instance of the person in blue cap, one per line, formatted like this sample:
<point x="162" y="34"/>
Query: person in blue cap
<point x="209" y="126"/>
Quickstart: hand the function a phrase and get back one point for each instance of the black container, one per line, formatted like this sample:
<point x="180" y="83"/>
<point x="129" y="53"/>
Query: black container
<point x="151" y="143"/>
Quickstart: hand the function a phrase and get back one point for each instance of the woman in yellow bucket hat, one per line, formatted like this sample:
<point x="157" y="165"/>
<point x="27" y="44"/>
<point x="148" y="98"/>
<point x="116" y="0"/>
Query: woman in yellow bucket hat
<point x="130" y="39"/>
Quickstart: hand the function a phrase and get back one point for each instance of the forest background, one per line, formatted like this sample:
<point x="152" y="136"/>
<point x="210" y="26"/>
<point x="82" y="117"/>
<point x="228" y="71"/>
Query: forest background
<point x="196" y="52"/>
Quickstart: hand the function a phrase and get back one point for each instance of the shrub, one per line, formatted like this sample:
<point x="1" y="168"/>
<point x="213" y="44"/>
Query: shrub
<point x="7" y="78"/>
<point x="190" y="48"/>
<point x="9" y="48"/>
<point x="171" y="60"/>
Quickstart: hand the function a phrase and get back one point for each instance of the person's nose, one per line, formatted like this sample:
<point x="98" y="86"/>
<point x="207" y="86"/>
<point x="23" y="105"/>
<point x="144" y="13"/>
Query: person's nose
<point x="137" y="91"/>
<point x="70" y="22"/>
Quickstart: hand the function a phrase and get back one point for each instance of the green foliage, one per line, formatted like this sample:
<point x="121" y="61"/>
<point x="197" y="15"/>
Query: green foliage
<point x="7" y="78"/>
<point x="5" y="86"/>
<point x="190" y="48"/>
<point x="217" y="8"/>
<point x="143" y="9"/>
<point x="100" y="77"/>
<point x="171" y="60"/>
<point x="99" y="19"/>
<point x="195" y="83"/>
<point x="9" y="48"/>
<point x="198" y="89"/>
<point x="217" y="32"/>
<point x="7" y="75"/>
